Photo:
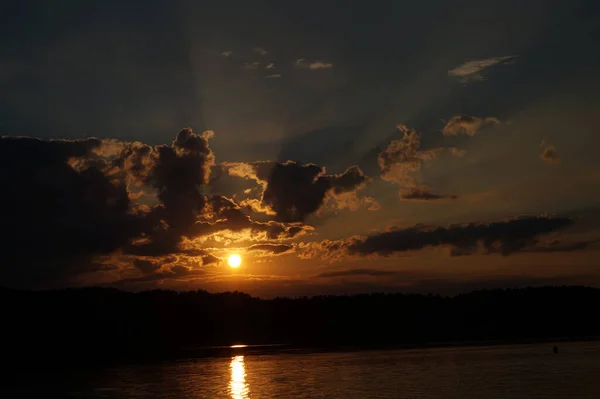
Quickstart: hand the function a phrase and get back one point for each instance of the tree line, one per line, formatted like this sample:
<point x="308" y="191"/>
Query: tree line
<point x="97" y="325"/>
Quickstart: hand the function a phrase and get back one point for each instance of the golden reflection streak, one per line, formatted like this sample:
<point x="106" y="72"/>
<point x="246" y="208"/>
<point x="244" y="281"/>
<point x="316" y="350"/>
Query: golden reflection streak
<point x="237" y="386"/>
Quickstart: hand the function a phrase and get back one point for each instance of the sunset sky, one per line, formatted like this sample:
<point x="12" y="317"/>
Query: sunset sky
<point x="417" y="146"/>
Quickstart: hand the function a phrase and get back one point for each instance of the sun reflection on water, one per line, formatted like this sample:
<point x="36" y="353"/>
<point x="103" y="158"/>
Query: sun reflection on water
<point x="237" y="386"/>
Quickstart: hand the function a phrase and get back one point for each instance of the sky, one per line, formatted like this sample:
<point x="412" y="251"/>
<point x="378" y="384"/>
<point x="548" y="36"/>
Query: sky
<point x="427" y="146"/>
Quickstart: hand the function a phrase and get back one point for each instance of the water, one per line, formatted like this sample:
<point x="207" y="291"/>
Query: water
<point x="518" y="371"/>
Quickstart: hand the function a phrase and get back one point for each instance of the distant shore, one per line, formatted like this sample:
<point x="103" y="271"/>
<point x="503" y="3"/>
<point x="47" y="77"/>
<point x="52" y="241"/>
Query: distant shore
<point x="92" y="327"/>
<point x="276" y="349"/>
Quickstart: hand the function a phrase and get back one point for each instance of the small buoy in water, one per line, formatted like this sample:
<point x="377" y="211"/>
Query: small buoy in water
<point x="555" y="349"/>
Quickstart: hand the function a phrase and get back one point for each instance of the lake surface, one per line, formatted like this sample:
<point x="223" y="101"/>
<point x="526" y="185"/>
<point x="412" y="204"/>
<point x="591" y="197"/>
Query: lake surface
<point x="517" y="371"/>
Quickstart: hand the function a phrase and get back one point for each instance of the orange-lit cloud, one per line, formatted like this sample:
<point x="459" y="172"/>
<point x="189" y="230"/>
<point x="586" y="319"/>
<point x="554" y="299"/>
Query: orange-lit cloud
<point x="401" y="161"/>
<point x="469" y="125"/>
<point x="293" y="191"/>
<point x="548" y="153"/>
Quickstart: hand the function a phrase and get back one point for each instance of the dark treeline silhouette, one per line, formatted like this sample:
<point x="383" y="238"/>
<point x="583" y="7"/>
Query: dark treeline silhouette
<point x="97" y="325"/>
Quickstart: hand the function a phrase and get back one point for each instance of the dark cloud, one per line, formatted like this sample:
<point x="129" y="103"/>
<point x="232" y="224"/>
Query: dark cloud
<point x="504" y="237"/>
<point x="357" y="272"/>
<point x="294" y="191"/>
<point x="180" y="171"/>
<point x="275" y="249"/>
<point x="137" y="161"/>
<point x="56" y="219"/>
<point x="562" y="246"/>
<point x="423" y="194"/>
<point x="469" y="125"/>
<point x="173" y="265"/>
<point x="39" y="152"/>
<point x="352" y="178"/>
<point x="179" y="270"/>
<point x="67" y="203"/>
<point x="176" y="272"/>
<point x="276" y="230"/>
<point x="146" y="266"/>
<point x="210" y="260"/>
<point x="225" y="214"/>
<point x="158" y="241"/>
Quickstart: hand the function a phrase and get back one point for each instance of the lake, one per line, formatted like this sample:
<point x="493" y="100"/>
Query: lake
<point x="511" y="371"/>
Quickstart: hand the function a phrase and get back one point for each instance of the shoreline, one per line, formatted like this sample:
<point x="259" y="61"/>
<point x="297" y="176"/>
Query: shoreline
<point x="271" y="349"/>
<point x="77" y="366"/>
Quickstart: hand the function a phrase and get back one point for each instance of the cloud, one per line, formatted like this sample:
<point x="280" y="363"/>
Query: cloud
<point x="423" y="194"/>
<point x="349" y="200"/>
<point x="503" y="237"/>
<point x="178" y="172"/>
<point x="251" y="65"/>
<point x="357" y="272"/>
<point x="473" y="70"/>
<point x="210" y="260"/>
<point x="332" y="250"/>
<point x="69" y="206"/>
<point x="294" y="191"/>
<point x="403" y="156"/>
<point x="275" y="249"/>
<point x="457" y="152"/>
<point x="469" y="125"/>
<point x="506" y="237"/>
<point x="56" y="219"/>
<point x="320" y="65"/>
<point x="260" y="51"/>
<point x="146" y="266"/>
<point x="275" y="76"/>
<point x="270" y="65"/>
<point x="562" y="246"/>
<point x="314" y="65"/>
<point x="177" y="272"/>
<point x="223" y="214"/>
<point x="402" y="159"/>
<point x="549" y="153"/>
<point x="227" y="53"/>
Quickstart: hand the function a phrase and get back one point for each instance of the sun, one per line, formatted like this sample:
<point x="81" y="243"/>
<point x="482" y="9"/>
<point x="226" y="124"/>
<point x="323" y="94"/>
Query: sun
<point x="234" y="260"/>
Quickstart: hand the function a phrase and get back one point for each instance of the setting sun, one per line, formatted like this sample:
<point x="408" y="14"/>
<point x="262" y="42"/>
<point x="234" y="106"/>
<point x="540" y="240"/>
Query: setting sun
<point x="234" y="260"/>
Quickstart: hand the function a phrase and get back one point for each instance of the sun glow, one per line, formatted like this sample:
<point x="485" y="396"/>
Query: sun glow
<point x="234" y="260"/>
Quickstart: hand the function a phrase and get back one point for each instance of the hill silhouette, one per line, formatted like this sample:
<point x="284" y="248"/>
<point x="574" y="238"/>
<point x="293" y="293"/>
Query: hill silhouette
<point x="98" y="325"/>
